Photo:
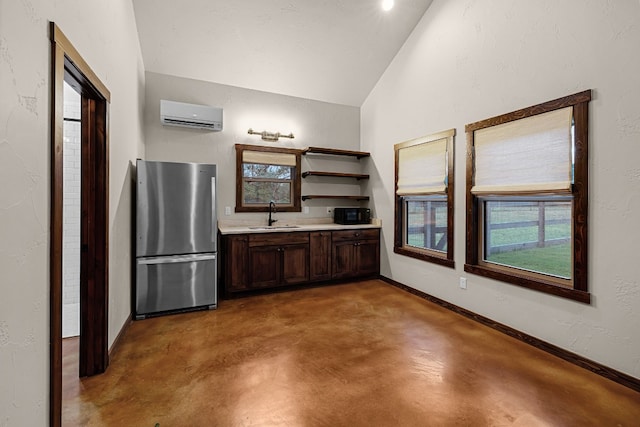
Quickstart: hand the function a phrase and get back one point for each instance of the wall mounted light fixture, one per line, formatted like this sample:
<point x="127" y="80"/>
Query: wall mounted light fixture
<point x="270" y="136"/>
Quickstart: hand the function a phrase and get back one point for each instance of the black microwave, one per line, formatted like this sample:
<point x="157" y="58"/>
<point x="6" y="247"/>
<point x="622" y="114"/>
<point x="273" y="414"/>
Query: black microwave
<point x="351" y="215"/>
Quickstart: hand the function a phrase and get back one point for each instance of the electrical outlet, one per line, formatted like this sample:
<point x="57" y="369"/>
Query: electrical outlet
<point x="305" y="210"/>
<point x="227" y="210"/>
<point x="463" y="283"/>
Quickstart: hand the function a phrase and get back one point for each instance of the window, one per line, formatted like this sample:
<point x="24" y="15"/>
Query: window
<point x="527" y="176"/>
<point x="264" y="174"/>
<point x="424" y="198"/>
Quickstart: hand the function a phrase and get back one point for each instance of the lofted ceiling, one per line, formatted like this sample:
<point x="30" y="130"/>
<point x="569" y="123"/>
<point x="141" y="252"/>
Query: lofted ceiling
<point x="327" y="50"/>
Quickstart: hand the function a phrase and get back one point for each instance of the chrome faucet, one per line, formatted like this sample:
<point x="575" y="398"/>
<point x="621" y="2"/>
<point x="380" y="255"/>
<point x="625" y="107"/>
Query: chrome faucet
<point x="272" y="208"/>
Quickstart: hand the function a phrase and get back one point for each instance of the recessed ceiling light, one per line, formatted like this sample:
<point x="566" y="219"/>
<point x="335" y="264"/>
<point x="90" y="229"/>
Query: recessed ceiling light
<point x="387" y="5"/>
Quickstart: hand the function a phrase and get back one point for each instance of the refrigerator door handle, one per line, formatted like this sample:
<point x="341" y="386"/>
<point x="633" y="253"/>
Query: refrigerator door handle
<point x="214" y="226"/>
<point x="176" y="259"/>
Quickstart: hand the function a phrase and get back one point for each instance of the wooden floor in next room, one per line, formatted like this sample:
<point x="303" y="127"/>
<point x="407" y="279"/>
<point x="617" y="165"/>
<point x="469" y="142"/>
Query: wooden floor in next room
<point x="357" y="354"/>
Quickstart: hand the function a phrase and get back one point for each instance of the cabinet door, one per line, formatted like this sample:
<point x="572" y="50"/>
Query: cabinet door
<point x="343" y="260"/>
<point x="264" y="266"/>
<point x="295" y="264"/>
<point x="320" y="255"/>
<point x="368" y="257"/>
<point x="236" y="264"/>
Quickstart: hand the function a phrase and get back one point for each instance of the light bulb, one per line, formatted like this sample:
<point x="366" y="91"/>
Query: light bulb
<point x="387" y="5"/>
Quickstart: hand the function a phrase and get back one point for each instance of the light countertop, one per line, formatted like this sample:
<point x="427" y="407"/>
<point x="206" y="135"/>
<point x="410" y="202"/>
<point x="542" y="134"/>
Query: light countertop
<point x="236" y="228"/>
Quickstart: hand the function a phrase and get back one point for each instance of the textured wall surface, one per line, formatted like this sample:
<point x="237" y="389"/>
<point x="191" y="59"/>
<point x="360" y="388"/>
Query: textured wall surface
<point x="469" y="60"/>
<point x="313" y="123"/>
<point x="105" y="35"/>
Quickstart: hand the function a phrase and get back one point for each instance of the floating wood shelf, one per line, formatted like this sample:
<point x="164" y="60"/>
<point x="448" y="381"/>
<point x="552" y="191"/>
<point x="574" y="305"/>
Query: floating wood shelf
<point x="336" y="152"/>
<point x="317" y="196"/>
<point x="357" y="176"/>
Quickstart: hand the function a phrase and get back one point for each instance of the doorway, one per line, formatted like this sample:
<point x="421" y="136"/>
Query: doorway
<point x="68" y="66"/>
<point x="71" y="210"/>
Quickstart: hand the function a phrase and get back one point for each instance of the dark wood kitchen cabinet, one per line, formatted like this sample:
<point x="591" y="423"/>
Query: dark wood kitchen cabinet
<point x="261" y="261"/>
<point x="319" y="255"/>
<point x="236" y="265"/>
<point x="356" y="253"/>
<point x="278" y="259"/>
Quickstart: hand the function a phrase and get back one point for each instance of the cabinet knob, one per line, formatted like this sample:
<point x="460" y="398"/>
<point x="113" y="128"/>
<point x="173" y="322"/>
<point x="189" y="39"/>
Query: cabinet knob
<point x="356" y="234"/>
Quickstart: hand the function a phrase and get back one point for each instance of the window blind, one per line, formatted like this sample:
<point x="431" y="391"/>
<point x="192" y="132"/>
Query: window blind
<point x="268" y="158"/>
<point x="527" y="155"/>
<point x="422" y="168"/>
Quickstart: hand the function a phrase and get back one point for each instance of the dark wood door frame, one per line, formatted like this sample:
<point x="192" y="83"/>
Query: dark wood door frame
<point x="68" y="64"/>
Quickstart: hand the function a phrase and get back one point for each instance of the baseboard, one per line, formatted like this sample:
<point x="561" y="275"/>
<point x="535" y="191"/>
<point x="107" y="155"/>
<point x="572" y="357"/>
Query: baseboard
<point x="116" y="342"/>
<point x="604" y="371"/>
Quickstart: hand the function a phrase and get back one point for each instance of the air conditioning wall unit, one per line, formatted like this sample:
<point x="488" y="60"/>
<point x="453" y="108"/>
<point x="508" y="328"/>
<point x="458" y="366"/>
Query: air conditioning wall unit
<point x="195" y="116"/>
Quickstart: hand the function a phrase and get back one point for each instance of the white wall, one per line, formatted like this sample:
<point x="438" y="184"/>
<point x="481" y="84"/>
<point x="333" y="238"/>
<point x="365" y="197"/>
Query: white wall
<point x="470" y="60"/>
<point x="313" y="123"/>
<point x="105" y="35"/>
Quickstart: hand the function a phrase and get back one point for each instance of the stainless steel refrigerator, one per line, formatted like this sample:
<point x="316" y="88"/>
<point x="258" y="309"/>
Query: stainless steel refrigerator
<point x="176" y="233"/>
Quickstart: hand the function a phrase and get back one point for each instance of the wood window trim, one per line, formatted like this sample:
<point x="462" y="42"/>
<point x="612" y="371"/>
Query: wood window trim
<point x="579" y="290"/>
<point x="424" y="254"/>
<point x="296" y="193"/>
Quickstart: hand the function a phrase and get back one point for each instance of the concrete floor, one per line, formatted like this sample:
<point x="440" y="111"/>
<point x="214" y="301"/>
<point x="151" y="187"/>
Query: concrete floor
<point x="362" y="354"/>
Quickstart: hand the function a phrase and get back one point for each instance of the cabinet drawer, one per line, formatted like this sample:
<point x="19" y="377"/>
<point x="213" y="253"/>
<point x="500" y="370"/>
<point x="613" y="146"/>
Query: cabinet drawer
<point x="359" y="234"/>
<point x="268" y="239"/>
